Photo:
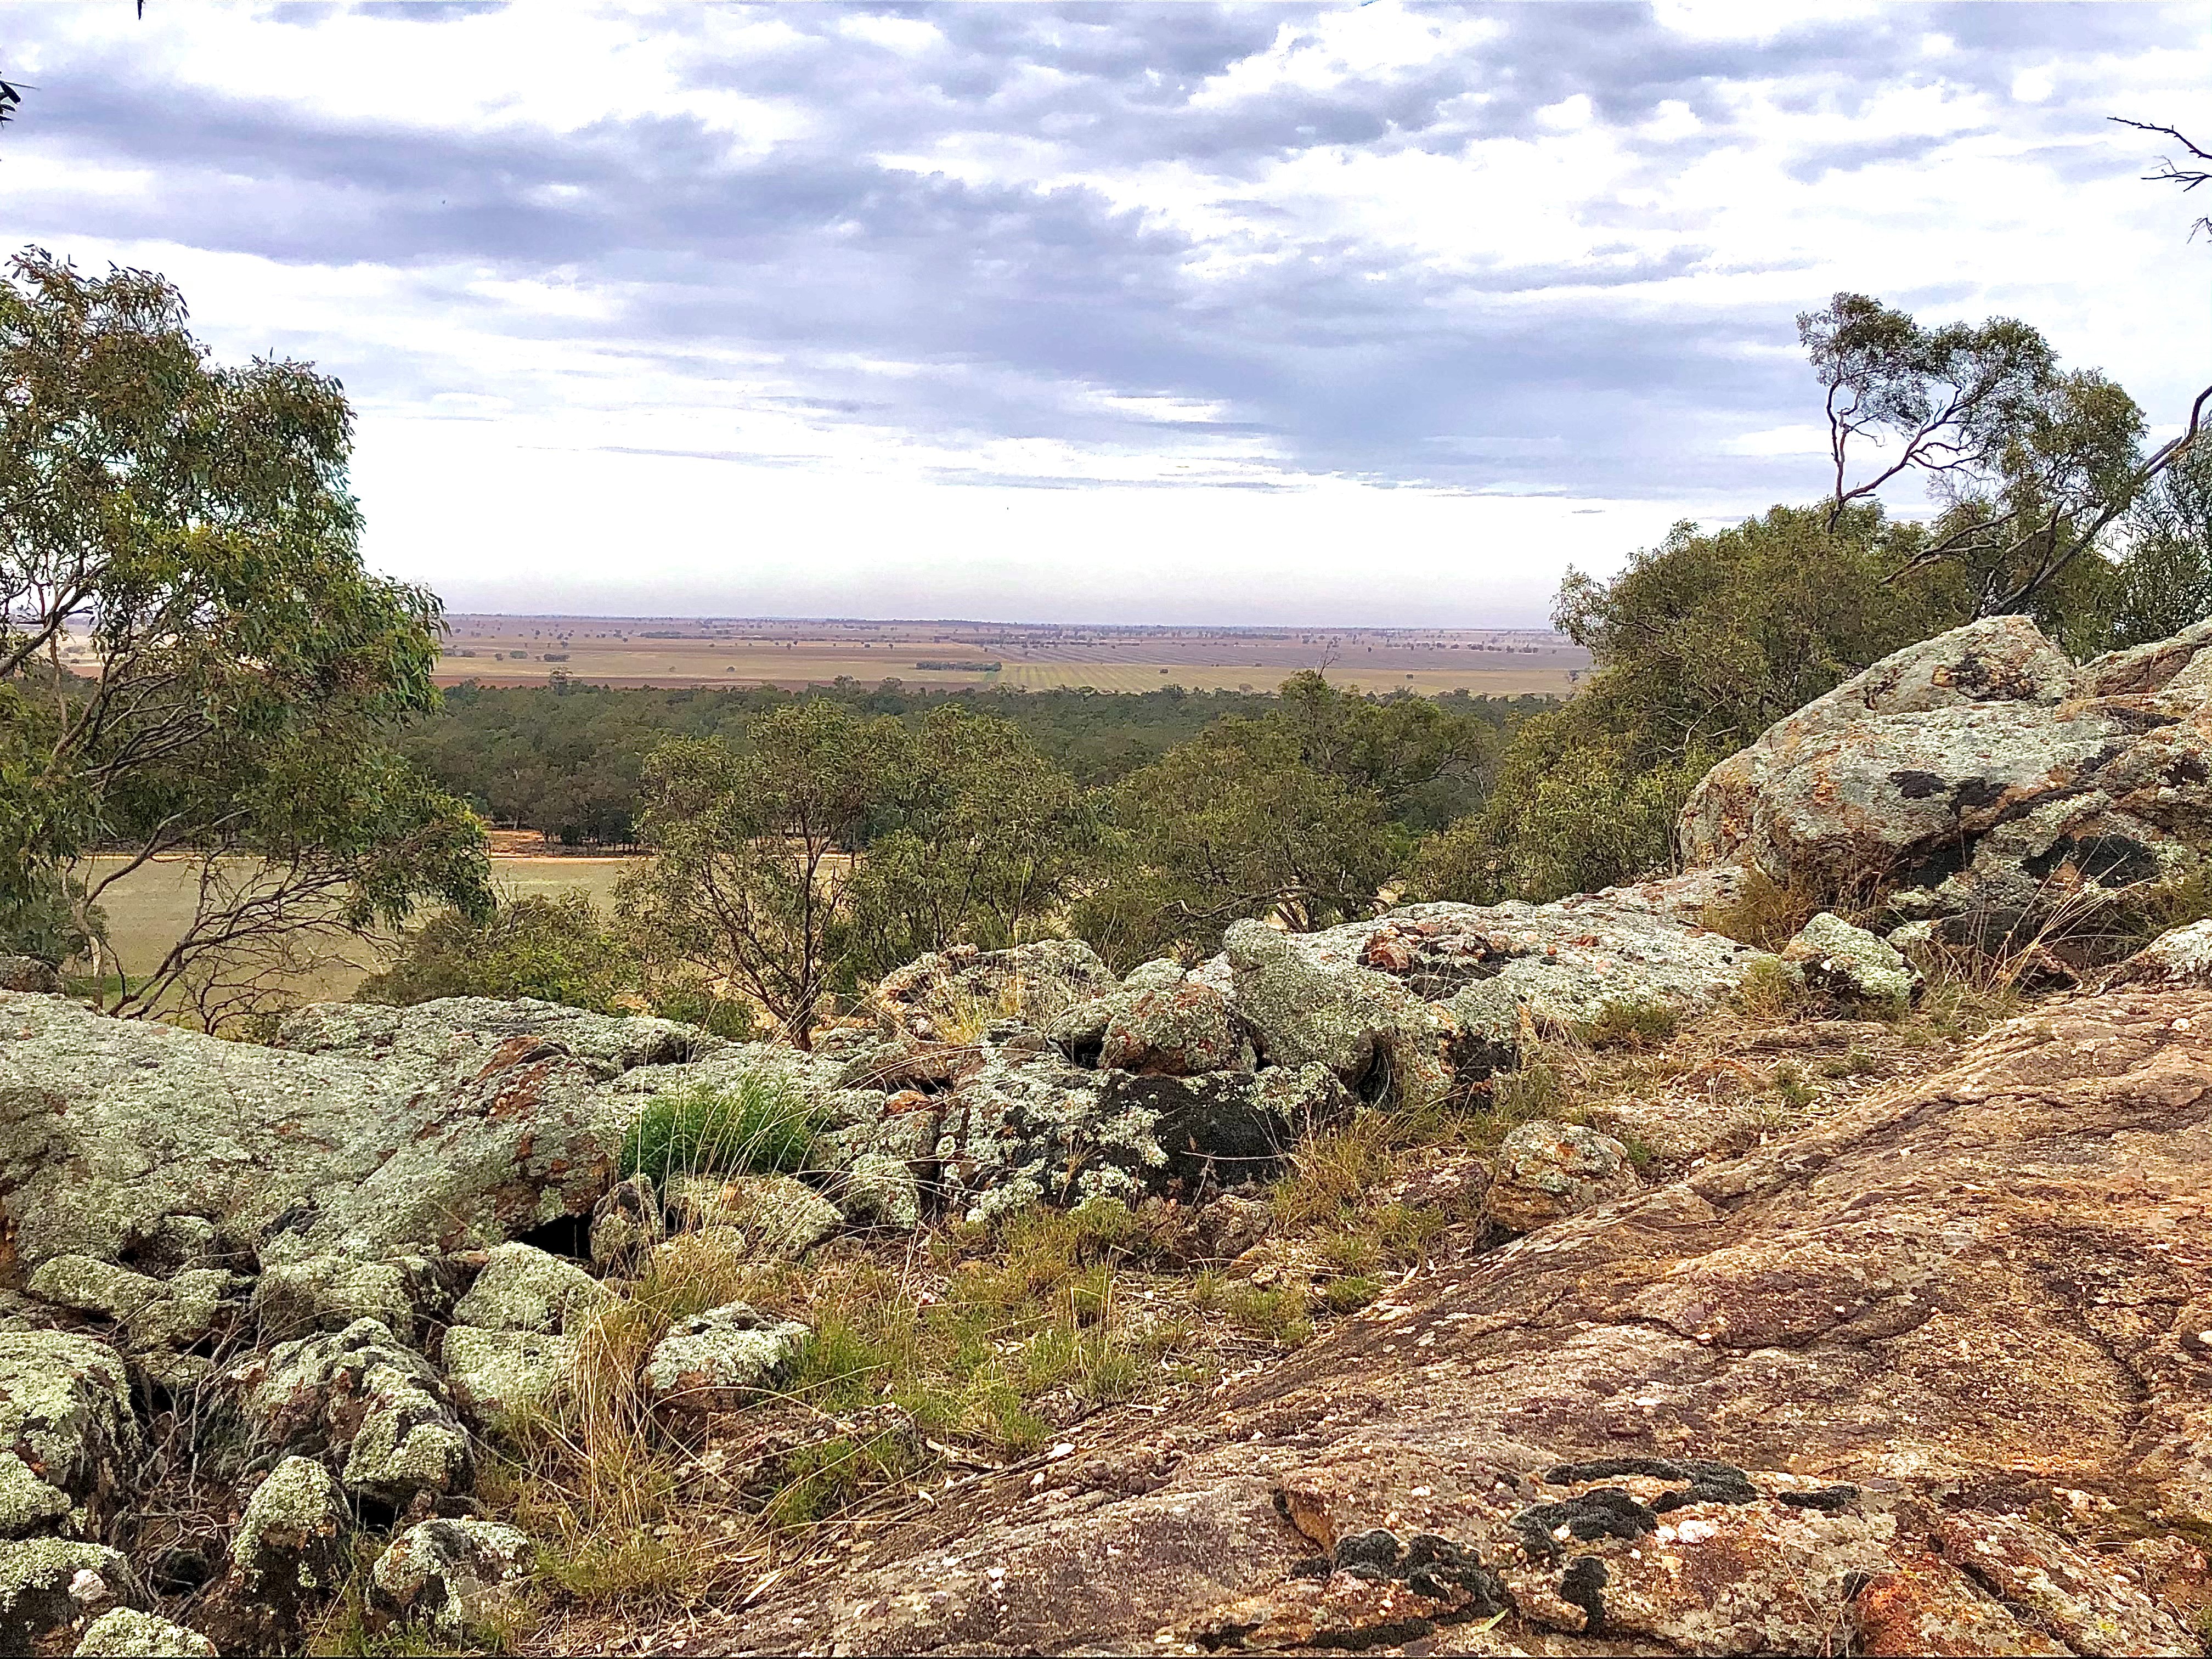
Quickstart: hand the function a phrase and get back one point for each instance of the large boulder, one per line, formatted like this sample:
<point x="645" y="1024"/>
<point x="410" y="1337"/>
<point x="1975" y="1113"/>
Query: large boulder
<point x="1927" y="1376"/>
<point x="68" y="1441"/>
<point x="366" y="1135"/>
<point x="1428" y="993"/>
<point x="1979" y="771"/>
<point x="357" y="1398"/>
<point x="953" y="993"/>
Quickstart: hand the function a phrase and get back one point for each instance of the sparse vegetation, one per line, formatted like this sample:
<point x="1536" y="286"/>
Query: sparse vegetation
<point x="759" y="1123"/>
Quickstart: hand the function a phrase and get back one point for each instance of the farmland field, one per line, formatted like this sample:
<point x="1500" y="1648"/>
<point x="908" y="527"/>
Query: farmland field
<point x="150" y="907"/>
<point x="680" y="652"/>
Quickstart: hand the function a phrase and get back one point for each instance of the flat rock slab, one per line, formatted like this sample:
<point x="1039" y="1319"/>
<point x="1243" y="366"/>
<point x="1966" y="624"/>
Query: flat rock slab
<point x="1773" y="1407"/>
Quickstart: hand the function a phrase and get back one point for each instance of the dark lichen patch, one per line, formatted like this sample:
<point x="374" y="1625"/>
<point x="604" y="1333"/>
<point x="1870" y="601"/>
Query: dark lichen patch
<point x="1427" y="1565"/>
<point x="1705" y="1481"/>
<point x="1601" y="1512"/>
<point x="1582" y="1586"/>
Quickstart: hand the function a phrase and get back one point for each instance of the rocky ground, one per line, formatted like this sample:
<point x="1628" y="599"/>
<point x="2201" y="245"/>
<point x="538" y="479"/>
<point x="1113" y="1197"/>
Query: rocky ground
<point x="1663" y="1269"/>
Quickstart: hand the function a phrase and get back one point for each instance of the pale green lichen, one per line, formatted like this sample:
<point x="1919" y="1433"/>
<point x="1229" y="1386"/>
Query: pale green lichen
<point x="126" y="1633"/>
<point x="451" y="1575"/>
<point x="37" y="1563"/>
<point x="494" y="1373"/>
<point x="27" y="1502"/>
<point x="299" y="1503"/>
<point x="522" y="1288"/>
<point x="65" y="1409"/>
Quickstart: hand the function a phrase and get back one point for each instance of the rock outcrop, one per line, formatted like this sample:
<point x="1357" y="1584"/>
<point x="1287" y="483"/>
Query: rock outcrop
<point x="1979" y="772"/>
<point x="1930" y="1376"/>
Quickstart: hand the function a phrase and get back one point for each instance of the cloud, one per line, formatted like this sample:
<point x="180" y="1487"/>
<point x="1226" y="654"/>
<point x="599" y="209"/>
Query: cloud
<point x="1490" y="253"/>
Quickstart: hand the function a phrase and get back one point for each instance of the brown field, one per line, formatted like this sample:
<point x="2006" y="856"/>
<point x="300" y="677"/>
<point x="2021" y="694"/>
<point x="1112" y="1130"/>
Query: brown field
<point x="150" y="907"/>
<point x="679" y="651"/>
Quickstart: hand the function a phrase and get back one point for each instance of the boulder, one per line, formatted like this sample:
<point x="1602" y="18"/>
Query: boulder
<point x="723" y="1360"/>
<point x="953" y="992"/>
<point x="68" y="1437"/>
<point x="358" y="1394"/>
<point x="523" y="1288"/>
<point x="493" y="1374"/>
<point x="1375" y="1036"/>
<point x="2180" y="955"/>
<point x="1924" y="1376"/>
<point x="1178" y="1030"/>
<point x="1976" y="772"/>
<point x="370" y="1134"/>
<point x="52" y="1589"/>
<point x="30" y="976"/>
<point x="784" y="1218"/>
<point x="1851" y="963"/>
<point x="880" y="1190"/>
<point x="1546" y="1171"/>
<point x="126" y="1633"/>
<point x="287" y="1559"/>
<point x="159" y="1318"/>
<point x="626" y="1223"/>
<point x="450" y="1577"/>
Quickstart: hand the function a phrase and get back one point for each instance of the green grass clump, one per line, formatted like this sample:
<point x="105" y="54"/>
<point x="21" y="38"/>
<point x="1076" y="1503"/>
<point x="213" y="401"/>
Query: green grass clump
<point x="1350" y="1293"/>
<point x="759" y="1123"/>
<point x="1277" y="1316"/>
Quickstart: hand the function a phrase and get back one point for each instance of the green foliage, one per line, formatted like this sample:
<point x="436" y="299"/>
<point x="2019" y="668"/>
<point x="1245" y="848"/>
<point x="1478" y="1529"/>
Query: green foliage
<point x="1700" y="643"/>
<point x="558" y="950"/>
<point x="1277" y="1316"/>
<point x="188" y="526"/>
<point x="759" y="1123"/>
<point x="1350" y="1293"/>
<point x="2163" y="583"/>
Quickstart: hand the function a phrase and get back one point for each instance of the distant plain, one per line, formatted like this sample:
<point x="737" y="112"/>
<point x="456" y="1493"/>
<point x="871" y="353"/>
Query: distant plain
<point x="511" y="650"/>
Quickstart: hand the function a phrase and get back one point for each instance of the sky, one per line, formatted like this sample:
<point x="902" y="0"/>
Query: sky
<point x="1370" y="314"/>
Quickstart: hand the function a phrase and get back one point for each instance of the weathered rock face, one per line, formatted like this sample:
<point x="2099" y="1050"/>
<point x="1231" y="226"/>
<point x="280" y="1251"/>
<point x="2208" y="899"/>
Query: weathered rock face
<point x="1932" y="1376"/>
<point x="723" y="1360"/>
<point x="1977" y="770"/>
<point x="962" y="987"/>
<point x="29" y="973"/>
<point x="52" y="1589"/>
<point x="2180" y="955"/>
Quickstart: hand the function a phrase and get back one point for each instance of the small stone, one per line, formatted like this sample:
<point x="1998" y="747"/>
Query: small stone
<point x="1850" y="962"/>
<point x="449" y="1577"/>
<point x="126" y="1633"/>
<point x="1547" y="1170"/>
<point x="2180" y="955"/>
<point x="49" y="1584"/>
<point x="523" y="1288"/>
<point x="1179" y="1030"/>
<point x="722" y="1360"/>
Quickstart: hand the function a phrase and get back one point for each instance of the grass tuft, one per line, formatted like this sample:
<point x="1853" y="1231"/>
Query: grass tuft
<point x="759" y="1123"/>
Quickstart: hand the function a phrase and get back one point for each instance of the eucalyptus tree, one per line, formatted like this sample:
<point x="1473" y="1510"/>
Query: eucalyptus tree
<point x="195" y="665"/>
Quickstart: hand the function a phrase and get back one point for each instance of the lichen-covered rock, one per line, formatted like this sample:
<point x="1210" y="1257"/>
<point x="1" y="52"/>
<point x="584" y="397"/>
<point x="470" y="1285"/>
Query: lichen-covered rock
<point x="1544" y="1171"/>
<point x="287" y="1559"/>
<point x="1179" y="1030"/>
<point x="29" y="975"/>
<point x="127" y="1633"/>
<point x="493" y="1374"/>
<point x="359" y="1394"/>
<point x="450" y="1577"/>
<point x="68" y="1437"/>
<point x="158" y="1319"/>
<point x="955" y="991"/>
<point x="2179" y="955"/>
<point x="783" y="1216"/>
<point x="1902" y="1380"/>
<point x="523" y="1288"/>
<point x="1850" y="962"/>
<point x="880" y="1190"/>
<point x="626" y="1223"/>
<point x="1369" y="1030"/>
<point x="723" y="1360"/>
<point x="52" y="1588"/>
<point x="329" y="1291"/>
<point x="1977" y="771"/>
<point x="428" y="1130"/>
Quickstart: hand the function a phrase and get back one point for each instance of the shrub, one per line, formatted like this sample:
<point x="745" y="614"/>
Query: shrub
<point x="557" y="949"/>
<point x="759" y="1123"/>
<point x="1765" y="913"/>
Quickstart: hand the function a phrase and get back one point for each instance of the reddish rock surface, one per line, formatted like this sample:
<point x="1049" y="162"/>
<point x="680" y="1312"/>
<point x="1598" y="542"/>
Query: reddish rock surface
<point x="1932" y="1376"/>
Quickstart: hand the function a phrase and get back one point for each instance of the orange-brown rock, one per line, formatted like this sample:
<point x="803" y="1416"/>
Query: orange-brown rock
<point x="1933" y="1376"/>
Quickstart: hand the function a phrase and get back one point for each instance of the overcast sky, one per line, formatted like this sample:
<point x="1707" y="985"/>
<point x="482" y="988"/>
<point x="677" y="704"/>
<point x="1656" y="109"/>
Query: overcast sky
<point x="1377" y="314"/>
